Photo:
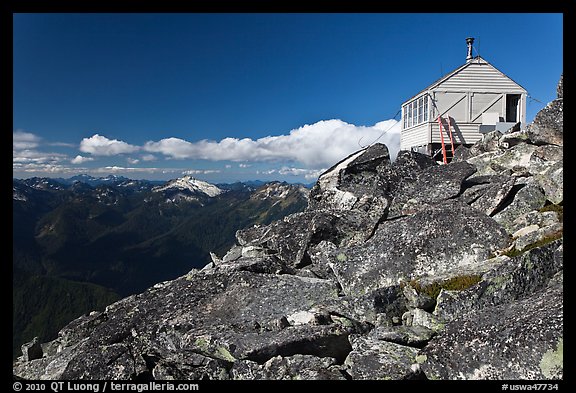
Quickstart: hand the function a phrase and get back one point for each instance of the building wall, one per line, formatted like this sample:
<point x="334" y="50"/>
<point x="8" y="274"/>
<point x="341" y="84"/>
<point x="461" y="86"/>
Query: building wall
<point x="479" y="77"/>
<point x="475" y="89"/>
<point x="415" y="136"/>
<point x="465" y="133"/>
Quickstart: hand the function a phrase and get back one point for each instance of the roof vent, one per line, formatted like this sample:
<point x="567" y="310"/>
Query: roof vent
<point x="469" y="42"/>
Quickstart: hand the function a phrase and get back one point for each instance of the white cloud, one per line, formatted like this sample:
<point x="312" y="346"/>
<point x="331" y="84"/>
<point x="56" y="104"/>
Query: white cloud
<point x="200" y="171"/>
<point x="244" y="165"/>
<point x="62" y="144"/>
<point x="149" y="157"/>
<point x="101" y="146"/>
<point x="309" y="174"/>
<point x="318" y="145"/>
<point x="26" y="157"/>
<point x="122" y="169"/>
<point x="81" y="159"/>
<point x="228" y="166"/>
<point x="267" y="172"/>
<point x="22" y="140"/>
<point x="29" y="155"/>
<point x="41" y="168"/>
<point x="132" y="161"/>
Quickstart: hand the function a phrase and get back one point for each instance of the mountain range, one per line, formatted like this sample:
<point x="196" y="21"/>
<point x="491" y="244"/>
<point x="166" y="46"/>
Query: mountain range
<point x="83" y="242"/>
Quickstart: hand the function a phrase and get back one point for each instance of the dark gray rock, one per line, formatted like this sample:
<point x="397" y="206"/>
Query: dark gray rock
<point x="184" y="365"/>
<point x="417" y="300"/>
<point x="548" y="125"/>
<point x="535" y="217"/>
<point x="32" y="350"/>
<point x="528" y="198"/>
<point x="487" y="193"/>
<point x="510" y="280"/>
<point x="290" y="238"/>
<point x="382" y="306"/>
<point x="430" y="242"/>
<point x="412" y="336"/>
<point x="432" y="186"/>
<point x="295" y="367"/>
<point x="405" y="168"/>
<point x="219" y="315"/>
<point x="516" y="341"/>
<point x="551" y="153"/>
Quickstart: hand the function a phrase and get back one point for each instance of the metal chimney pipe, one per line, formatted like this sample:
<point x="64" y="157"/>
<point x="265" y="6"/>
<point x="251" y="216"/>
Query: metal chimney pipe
<point x="469" y="42"/>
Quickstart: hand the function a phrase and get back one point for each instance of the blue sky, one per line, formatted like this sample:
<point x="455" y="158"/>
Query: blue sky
<point x="229" y="97"/>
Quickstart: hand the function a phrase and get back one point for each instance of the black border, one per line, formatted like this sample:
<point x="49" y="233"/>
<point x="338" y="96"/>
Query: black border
<point x="326" y="6"/>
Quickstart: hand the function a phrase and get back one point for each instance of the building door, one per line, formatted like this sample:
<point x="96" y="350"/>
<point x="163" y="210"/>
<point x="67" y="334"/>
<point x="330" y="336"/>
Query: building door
<point x="512" y="108"/>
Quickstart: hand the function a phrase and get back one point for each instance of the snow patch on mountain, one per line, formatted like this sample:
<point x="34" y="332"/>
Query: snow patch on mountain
<point x="17" y="195"/>
<point x="277" y="190"/>
<point x="190" y="184"/>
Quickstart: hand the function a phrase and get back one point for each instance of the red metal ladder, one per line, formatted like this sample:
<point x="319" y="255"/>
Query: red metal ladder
<point x="449" y="131"/>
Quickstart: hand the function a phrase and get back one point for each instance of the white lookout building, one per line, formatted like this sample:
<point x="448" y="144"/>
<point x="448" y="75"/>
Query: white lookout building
<point x="460" y="107"/>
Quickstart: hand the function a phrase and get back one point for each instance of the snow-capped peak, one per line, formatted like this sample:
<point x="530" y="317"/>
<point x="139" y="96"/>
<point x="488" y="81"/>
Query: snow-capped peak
<point x="191" y="184"/>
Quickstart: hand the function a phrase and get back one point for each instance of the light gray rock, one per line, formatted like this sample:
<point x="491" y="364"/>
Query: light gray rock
<point x="373" y="359"/>
<point x="419" y="317"/>
<point x="528" y="198"/>
<point x="352" y="183"/>
<point x="537" y="218"/>
<point x="552" y="182"/>
<point x="531" y="238"/>
<point x="548" y="125"/>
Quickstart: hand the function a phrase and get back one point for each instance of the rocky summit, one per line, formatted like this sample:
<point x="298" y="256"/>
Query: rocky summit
<point x="396" y="270"/>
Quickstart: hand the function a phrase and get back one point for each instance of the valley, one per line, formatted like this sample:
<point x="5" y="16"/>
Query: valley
<point x="81" y="243"/>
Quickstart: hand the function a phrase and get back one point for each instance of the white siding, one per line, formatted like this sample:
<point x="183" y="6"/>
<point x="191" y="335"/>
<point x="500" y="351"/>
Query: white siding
<point x="461" y="133"/>
<point x="481" y="77"/>
<point x="415" y="136"/>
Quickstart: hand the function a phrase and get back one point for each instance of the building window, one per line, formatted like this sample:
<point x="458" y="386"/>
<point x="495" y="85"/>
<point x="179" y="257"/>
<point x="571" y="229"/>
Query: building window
<point x="416" y="112"/>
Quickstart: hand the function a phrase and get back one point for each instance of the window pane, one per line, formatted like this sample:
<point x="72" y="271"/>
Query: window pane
<point x="426" y="108"/>
<point x="420" y="109"/>
<point x="404" y="115"/>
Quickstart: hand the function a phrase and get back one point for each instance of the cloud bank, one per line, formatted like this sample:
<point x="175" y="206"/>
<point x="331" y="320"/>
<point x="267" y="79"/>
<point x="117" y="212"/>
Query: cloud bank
<point x="304" y="152"/>
<point x="317" y="145"/>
